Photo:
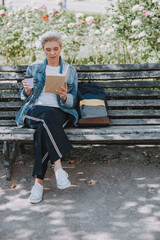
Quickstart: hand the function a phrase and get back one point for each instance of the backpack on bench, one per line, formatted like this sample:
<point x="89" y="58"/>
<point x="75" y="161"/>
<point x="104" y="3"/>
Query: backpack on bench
<point x="92" y="106"/>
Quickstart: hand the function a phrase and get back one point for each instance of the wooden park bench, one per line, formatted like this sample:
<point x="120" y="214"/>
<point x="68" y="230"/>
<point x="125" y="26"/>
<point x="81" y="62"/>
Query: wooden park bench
<point x="133" y="93"/>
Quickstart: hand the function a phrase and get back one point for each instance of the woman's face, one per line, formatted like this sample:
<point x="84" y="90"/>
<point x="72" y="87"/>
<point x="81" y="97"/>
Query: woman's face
<point x="52" y="50"/>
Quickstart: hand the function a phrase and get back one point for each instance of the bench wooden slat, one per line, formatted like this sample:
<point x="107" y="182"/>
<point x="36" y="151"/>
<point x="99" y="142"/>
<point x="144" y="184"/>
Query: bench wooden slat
<point x="135" y="122"/>
<point x="117" y="67"/>
<point x="145" y="103"/>
<point x="134" y="113"/>
<point x="8" y="114"/>
<point x="10" y="104"/>
<point x="134" y="138"/>
<point x="107" y="84"/>
<point x="133" y="94"/>
<point x="7" y="123"/>
<point x="95" y="76"/>
<point x="134" y="103"/>
<point x="114" y="122"/>
<point x="151" y="138"/>
<point x="128" y="134"/>
<point x="10" y="68"/>
<point x="93" y="68"/>
<point x="110" y="94"/>
<point x="9" y="95"/>
<point x="112" y="113"/>
<point x="88" y="131"/>
<point x="119" y="75"/>
<point x="11" y="76"/>
<point x="16" y="137"/>
<point x="10" y="86"/>
<point x="129" y="84"/>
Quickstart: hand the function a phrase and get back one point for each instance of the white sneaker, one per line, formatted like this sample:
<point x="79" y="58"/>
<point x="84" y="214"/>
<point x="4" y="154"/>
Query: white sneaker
<point x="62" y="179"/>
<point x="36" y="193"/>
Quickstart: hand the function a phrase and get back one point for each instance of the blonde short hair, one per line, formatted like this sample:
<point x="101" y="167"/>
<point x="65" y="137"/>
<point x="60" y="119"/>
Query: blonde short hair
<point x="51" y="36"/>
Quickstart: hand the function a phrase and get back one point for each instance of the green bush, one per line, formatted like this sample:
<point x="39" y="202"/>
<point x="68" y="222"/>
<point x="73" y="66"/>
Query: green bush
<point x="127" y="33"/>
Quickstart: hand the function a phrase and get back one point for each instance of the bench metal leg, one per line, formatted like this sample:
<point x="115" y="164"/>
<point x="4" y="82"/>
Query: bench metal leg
<point x="10" y="151"/>
<point x="22" y="148"/>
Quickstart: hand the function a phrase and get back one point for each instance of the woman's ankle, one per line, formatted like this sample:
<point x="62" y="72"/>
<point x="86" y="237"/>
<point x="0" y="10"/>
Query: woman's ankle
<point x="40" y="181"/>
<point x="57" y="165"/>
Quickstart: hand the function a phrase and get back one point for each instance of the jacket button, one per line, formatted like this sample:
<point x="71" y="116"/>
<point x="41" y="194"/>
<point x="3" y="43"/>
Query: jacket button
<point x="39" y="87"/>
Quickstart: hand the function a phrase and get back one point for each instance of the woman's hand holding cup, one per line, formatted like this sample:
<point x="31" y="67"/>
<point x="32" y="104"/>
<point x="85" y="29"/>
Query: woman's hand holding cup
<point x="28" y="84"/>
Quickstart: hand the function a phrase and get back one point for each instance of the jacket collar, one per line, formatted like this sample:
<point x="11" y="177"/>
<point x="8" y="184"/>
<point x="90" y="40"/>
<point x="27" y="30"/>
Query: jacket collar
<point x="44" y="65"/>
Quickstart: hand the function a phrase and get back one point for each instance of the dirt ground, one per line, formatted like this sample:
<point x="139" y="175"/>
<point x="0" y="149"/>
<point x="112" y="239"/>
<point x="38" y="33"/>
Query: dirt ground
<point x="115" y="195"/>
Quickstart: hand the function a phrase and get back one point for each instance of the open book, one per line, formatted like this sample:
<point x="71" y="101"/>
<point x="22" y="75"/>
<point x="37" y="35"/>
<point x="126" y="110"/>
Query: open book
<point x="55" y="82"/>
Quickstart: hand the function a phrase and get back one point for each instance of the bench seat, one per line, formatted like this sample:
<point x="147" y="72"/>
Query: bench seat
<point x="133" y="94"/>
<point x="142" y="134"/>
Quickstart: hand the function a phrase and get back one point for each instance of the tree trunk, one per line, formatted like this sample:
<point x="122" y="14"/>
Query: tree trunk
<point x="3" y="2"/>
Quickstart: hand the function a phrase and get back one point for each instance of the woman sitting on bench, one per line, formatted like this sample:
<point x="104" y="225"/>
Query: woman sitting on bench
<point x="49" y="113"/>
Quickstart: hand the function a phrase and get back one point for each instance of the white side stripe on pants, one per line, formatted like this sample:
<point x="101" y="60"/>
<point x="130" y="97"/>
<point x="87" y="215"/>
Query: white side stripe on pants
<point x="49" y="133"/>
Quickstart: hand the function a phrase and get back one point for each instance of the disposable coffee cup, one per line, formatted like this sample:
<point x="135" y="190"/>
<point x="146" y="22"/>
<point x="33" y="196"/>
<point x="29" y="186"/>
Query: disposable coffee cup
<point x="29" y="80"/>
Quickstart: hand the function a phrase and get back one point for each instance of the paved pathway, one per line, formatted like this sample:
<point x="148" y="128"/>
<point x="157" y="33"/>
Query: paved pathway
<point x="74" y="5"/>
<point x="124" y="204"/>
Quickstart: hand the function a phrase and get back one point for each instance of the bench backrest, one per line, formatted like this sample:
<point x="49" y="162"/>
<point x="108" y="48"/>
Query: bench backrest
<point x="132" y="91"/>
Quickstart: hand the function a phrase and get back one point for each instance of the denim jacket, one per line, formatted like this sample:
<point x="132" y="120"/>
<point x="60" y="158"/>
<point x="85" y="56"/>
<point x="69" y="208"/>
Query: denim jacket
<point x="37" y="70"/>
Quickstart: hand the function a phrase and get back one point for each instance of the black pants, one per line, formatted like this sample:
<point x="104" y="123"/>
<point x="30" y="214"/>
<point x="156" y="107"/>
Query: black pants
<point x="50" y="140"/>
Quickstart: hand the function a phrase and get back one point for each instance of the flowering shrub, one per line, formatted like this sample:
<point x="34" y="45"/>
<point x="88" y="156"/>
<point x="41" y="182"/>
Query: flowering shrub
<point x="136" y="26"/>
<point x="127" y="33"/>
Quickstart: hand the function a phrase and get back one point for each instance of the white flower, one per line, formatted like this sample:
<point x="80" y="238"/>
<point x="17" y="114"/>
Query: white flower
<point x="137" y="8"/>
<point x="76" y="39"/>
<point x="79" y="15"/>
<point x="10" y="13"/>
<point x="136" y="23"/>
<point x="91" y="32"/>
<point x="115" y="25"/>
<point x="97" y="32"/>
<point x="109" y="31"/>
<point x="64" y="37"/>
<point x="141" y="34"/>
<point x="129" y="47"/>
<point x="9" y="23"/>
<point x="108" y="45"/>
<point x="25" y="29"/>
<point x="38" y="44"/>
<point x="89" y="19"/>
<point x="150" y="13"/>
<point x="103" y="29"/>
<point x="102" y="47"/>
<point x="158" y="40"/>
<point x="85" y="52"/>
<point x="121" y="17"/>
<point x="132" y="51"/>
<point x="71" y="25"/>
<point x="1" y="11"/>
<point x="155" y="1"/>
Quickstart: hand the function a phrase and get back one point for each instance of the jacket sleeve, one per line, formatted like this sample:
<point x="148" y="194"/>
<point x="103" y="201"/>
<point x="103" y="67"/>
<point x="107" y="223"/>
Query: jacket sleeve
<point x="22" y="90"/>
<point x="72" y="92"/>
